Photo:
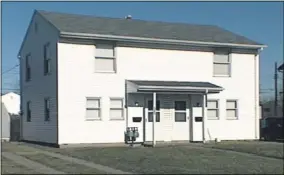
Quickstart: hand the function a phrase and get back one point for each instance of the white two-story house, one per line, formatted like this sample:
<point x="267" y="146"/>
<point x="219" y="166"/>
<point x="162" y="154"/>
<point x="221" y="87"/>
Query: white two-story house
<point x="85" y="79"/>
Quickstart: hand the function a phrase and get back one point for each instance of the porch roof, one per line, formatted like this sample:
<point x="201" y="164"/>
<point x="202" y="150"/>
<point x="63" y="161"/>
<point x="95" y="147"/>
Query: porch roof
<point x="171" y="86"/>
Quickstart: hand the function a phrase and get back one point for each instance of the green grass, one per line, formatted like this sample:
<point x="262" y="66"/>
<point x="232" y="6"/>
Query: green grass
<point x="10" y="167"/>
<point x="184" y="159"/>
<point x="267" y="149"/>
<point x="176" y="159"/>
<point x="61" y="165"/>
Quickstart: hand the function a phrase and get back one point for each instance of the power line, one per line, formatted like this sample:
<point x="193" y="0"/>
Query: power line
<point x="10" y="69"/>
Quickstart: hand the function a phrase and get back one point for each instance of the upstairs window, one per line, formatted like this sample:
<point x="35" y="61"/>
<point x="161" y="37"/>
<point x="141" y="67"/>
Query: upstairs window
<point x="47" y="59"/>
<point x="221" y="64"/>
<point x="104" y="58"/>
<point x="28" y="67"/>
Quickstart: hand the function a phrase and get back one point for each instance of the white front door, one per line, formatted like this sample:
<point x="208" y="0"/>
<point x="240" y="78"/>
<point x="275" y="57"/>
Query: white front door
<point x="181" y="119"/>
<point x="149" y="120"/>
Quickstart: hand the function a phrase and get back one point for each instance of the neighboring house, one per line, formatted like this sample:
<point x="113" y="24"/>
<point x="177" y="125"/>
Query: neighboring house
<point x="12" y="102"/>
<point x="5" y="123"/>
<point x="268" y="109"/>
<point x="86" y="79"/>
<point x="281" y="67"/>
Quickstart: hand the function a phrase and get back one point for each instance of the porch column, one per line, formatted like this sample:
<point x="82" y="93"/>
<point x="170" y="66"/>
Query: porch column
<point x="204" y="120"/>
<point x="154" y="117"/>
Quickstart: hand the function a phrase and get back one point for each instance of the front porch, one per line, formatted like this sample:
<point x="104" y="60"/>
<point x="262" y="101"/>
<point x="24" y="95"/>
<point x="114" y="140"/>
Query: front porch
<point x="179" y="113"/>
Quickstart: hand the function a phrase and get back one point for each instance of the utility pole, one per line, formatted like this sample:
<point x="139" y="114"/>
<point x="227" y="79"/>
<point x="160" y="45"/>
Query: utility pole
<point x="276" y="90"/>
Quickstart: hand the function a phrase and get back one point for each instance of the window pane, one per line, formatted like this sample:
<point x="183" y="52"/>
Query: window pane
<point x="180" y="117"/>
<point x="104" y="50"/>
<point x="212" y="104"/>
<point x="46" y="103"/>
<point x="47" y="52"/>
<point x="150" y="105"/>
<point x="150" y="117"/>
<point x="104" y="64"/>
<point x="28" y="60"/>
<point x="116" y="103"/>
<point x="231" y="105"/>
<point x="93" y="114"/>
<point x="116" y="114"/>
<point x="231" y="113"/>
<point x="221" y="58"/>
<point x="221" y="69"/>
<point x="180" y="105"/>
<point x="93" y="103"/>
<point x="212" y="113"/>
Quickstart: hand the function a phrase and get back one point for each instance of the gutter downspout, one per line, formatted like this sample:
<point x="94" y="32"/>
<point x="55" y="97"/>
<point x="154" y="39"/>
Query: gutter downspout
<point x="256" y="91"/>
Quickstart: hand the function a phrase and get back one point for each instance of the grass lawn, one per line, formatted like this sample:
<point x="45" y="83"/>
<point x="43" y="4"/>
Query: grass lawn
<point x="10" y="167"/>
<point x="61" y="165"/>
<point x="269" y="149"/>
<point x="176" y="159"/>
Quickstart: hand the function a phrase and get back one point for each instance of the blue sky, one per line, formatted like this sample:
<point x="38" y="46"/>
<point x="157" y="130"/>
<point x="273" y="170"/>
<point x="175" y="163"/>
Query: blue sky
<point x="259" y="21"/>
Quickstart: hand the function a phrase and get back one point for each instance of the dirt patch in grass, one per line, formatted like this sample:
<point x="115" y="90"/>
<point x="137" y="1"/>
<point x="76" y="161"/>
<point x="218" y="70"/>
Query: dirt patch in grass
<point x="62" y="165"/>
<point x="10" y="167"/>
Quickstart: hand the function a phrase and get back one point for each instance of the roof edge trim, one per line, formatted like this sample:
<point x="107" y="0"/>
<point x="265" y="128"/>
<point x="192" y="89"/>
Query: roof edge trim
<point x="154" y="40"/>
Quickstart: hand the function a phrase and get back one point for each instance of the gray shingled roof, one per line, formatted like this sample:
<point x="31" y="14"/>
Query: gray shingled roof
<point x="281" y="67"/>
<point x="175" y="83"/>
<point x="74" y="23"/>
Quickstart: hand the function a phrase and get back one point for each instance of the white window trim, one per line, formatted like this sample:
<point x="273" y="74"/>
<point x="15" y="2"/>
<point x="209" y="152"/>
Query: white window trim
<point x="114" y="58"/>
<point x="122" y="108"/>
<point x="218" y="109"/>
<point x="229" y="63"/>
<point x="180" y="111"/>
<point x="237" y="109"/>
<point x="99" y="109"/>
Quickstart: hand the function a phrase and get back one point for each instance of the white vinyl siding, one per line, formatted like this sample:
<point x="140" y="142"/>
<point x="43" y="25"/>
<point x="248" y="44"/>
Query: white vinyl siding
<point x="221" y="64"/>
<point x="212" y="109"/>
<point x="116" y="109"/>
<point x="47" y="59"/>
<point x="105" y="58"/>
<point x="232" y="109"/>
<point x="93" y="109"/>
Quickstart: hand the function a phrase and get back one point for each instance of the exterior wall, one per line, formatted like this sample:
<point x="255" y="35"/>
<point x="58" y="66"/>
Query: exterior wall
<point x="78" y="80"/>
<point x="12" y="102"/>
<point x="5" y="123"/>
<point x="40" y="86"/>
